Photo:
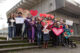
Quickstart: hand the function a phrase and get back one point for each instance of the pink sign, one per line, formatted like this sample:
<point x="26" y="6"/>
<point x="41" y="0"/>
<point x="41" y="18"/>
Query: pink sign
<point x="33" y="12"/>
<point x="57" y="31"/>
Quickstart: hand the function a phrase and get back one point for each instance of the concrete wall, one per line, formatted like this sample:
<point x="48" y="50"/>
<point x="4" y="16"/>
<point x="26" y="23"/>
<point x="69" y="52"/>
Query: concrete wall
<point x="61" y="15"/>
<point x="45" y="6"/>
<point x="60" y="3"/>
<point x="76" y="25"/>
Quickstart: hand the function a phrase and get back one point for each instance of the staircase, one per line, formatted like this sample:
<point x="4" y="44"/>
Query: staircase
<point x="15" y="44"/>
<point x="18" y="44"/>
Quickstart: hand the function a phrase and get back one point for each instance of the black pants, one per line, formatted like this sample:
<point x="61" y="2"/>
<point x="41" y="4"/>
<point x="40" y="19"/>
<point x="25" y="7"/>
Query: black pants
<point x="67" y="41"/>
<point x="19" y="29"/>
<point x="55" y="39"/>
<point x="62" y="39"/>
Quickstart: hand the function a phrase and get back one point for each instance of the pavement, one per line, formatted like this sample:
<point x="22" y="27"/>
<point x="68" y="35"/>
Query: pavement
<point x="50" y="50"/>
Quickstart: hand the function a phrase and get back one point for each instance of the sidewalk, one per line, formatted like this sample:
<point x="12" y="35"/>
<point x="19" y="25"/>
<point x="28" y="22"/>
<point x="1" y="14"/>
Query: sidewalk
<point x="51" y="50"/>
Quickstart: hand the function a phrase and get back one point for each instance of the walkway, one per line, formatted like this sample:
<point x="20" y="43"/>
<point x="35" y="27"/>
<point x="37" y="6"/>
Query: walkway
<point x="51" y="50"/>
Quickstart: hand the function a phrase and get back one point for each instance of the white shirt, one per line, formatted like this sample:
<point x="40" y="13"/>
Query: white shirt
<point x="45" y="30"/>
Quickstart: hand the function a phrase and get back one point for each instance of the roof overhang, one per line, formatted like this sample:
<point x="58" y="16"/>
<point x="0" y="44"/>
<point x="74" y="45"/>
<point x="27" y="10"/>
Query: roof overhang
<point x="72" y="7"/>
<point x="26" y="4"/>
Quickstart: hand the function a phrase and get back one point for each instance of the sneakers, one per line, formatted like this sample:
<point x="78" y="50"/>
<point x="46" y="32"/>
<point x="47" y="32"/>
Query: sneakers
<point x="29" y="41"/>
<point x="9" y="38"/>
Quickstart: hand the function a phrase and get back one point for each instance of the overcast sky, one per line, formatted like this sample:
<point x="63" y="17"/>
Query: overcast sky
<point x="4" y="7"/>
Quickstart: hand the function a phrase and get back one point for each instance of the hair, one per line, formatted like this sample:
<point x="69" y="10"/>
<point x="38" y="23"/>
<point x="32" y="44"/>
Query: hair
<point x="19" y="12"/>
<point x="11" y="15"/>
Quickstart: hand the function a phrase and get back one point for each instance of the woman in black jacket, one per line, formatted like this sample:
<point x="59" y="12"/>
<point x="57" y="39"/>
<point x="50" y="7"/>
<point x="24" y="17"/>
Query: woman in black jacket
<point x="11" y="26"/>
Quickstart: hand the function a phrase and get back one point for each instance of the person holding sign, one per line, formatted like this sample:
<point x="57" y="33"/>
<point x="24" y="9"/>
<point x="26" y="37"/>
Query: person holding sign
<point x="46" y="36"/>
<point x="11" y="26"/>
<point x="19" y="23"/>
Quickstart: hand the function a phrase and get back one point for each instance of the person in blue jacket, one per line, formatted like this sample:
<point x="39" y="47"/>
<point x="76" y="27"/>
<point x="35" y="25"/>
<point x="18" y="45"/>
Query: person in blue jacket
<point x="67" y="34"/>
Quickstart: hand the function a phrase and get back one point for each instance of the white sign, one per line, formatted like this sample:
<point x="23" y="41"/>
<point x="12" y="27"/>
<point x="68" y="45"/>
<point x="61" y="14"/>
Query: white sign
<point x="68" y="22"/>
<point x="12" y="20"/>
<point x="19" y="20"/>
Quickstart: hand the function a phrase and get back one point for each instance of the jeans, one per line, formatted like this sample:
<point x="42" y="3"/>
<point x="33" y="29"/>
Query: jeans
<point x="39" y="36"/>
<point x="11" y="32"/>
<point x="25" y="32"/>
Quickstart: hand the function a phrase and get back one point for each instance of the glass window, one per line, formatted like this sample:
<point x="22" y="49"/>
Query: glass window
<point x="75" y="29"/>
<point x="78" y="28"/>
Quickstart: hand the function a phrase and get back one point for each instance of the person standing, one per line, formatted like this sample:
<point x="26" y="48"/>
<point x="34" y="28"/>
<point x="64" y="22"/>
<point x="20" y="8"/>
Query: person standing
<point x="46" y="36"/>
<point x="29" y="28"/>
<point x="33" y="30"/>
<point x="61" y="37"/>
<point x="25" y="28"/>
<point x="39" y="32"/>
<point x="11" y="27"/>
<point x="67" y="34"/>
<point x="19" y="25"/>
<point x="55" y="39"/>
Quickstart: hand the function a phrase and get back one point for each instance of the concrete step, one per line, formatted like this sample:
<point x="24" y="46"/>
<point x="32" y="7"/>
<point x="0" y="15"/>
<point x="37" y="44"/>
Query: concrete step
<point x="12" y="45"/>
<point x="18" y="48"/>
<point x="3" y="38"/>
<point x="15" y="38"/>
<point x="12" y="41"/>
<point x="75" y="38"/>
<point x="16" y="44"/>
<point x="19" y="38"/>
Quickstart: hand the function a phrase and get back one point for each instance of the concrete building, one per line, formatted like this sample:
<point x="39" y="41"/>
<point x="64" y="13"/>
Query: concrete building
<point x="66" y="9"/>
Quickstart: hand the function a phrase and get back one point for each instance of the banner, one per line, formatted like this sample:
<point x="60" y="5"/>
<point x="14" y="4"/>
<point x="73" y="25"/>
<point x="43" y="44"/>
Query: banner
<point x="57" y="31"/>
<point x="19" y="20"/>
<point x="68" y="22"/>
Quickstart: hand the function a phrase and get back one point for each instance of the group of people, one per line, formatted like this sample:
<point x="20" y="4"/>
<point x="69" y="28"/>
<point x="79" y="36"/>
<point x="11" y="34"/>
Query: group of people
<point x="38" y="28"/>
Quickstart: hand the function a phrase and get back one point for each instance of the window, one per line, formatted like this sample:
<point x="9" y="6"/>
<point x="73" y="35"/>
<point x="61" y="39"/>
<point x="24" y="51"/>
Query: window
<point x="76" y="28"/>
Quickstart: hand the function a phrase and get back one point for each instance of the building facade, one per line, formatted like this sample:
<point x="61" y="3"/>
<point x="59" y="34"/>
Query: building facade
<point x="66" y="9"/>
